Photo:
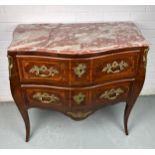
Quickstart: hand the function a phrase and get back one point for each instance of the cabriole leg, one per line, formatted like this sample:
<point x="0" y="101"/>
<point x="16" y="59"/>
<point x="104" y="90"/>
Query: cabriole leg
<point x="127" y="111"/>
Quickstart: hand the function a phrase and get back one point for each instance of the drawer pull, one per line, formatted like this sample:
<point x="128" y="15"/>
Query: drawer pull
<point x="112" y="94"/>
<point x="115" y="67"/>
<point x="46" y="98"/>
<point x="80" y="70"/>
<point x="43" y="71"/>
<point x="79" y="98"/>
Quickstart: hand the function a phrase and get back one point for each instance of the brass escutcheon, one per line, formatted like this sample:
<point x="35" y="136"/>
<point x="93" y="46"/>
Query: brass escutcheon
<point x="79" y="98"/>
<point x="80" y="69"/>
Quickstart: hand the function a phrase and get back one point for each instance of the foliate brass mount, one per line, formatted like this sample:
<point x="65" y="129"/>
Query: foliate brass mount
<point x="46" y="98"/>
<point x="10" y="59"/>
<point x="79" y="115"/>
<point x="115" y="67"/>
<point x="80" y="69"/>
<point x="43" y="71"/>
<point x="112" y="94"/>
<point x="79" y="98"/>
<point x="145" y="57"/>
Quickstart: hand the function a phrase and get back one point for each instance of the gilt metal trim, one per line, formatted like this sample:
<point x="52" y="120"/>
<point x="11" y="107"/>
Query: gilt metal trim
<point x="46" y="98"/>
<point x="40" y="71"/>
<point x="10" y="66"/>
<point x="79" y="98"/>
<point x="145" y="57"/>
<point x="112" y="94"/>
<point x="80" y="69"/>
<point x="115" y="67"/>
<point x="79" y="114"/>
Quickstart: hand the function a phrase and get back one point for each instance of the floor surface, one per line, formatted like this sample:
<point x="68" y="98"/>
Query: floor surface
<point x="103" y="129"/>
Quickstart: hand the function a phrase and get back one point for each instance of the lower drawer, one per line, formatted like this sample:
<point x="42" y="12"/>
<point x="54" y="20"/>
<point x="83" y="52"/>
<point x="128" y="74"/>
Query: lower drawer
<point x="70" y="98"/>
<point x="46" y="97"/>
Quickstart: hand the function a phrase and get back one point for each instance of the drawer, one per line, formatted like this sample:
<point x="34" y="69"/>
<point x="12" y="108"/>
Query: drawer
<point x="111" y="93"/>
<point x="82" y="98"/>
<point x="41" y="96"/>
<point x="43" y="70"/>
<point x="115" y="67"/>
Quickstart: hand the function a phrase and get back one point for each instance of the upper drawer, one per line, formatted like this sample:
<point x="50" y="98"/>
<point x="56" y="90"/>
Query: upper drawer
<point x="77" y="72"/>
<point x="43" y="70"/>
<point x="115" y="66"/>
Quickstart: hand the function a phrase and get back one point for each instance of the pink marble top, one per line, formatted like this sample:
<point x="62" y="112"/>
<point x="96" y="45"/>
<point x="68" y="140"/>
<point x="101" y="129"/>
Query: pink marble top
<point x="76" y="38"/>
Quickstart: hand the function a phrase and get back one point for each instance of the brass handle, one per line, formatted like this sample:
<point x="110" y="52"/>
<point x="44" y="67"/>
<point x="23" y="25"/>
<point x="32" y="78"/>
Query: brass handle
<point x="43" y="71"/>
<point x="112" y="94"/>
<point x="45" y="98"/>
<point x="79" y="98"/>
<point x="80" y="69"/>
<point x="115" y="67"/>
<point x="10" y="60"/>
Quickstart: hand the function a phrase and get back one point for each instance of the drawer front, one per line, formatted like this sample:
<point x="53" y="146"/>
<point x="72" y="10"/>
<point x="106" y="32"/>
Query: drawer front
<point x="47" y="97"/>
<point x="75" y="99"/>
<point x="115" y="66"/>
<point x="111" y="93"/>
<point x="80" y="72"/>
<point x="43" y="70"/>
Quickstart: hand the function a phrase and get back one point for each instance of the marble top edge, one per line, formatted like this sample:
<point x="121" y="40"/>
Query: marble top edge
<point x="77" y="38"/>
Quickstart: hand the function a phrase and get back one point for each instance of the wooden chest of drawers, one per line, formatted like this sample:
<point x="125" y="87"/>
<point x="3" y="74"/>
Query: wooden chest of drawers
<point x="76" y="68"/>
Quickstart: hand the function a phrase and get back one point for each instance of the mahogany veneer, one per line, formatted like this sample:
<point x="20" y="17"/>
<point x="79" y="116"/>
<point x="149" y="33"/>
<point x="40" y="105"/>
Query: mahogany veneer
<point x="76" y="68"/>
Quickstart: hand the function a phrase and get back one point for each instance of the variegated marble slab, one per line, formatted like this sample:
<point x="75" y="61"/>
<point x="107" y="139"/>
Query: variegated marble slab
<point x="79" y="38"/>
